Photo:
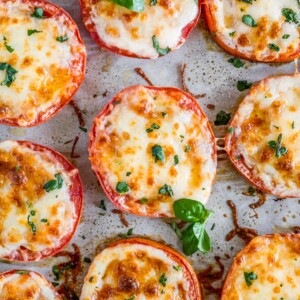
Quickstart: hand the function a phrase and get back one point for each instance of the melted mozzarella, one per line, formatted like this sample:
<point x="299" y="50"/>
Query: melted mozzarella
<point x="132" y="31"/>
<point x="128" y="270"/>
<point x="31" y="286"/>
<point x="48" y="70"/>
<point x="271" y="26"/>
<point x="275" y="260"/>
<point x="23" y="173"/>
<point x="122" y="144"/>
<point x="272" y="108"/>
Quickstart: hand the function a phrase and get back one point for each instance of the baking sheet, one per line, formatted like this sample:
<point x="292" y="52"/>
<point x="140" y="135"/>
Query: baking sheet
<point x="207" y="72"/>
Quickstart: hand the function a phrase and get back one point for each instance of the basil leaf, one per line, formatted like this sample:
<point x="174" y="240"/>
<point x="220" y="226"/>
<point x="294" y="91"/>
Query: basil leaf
<point x="32" y="31"/>
<point x="274" y="47"/>
<point x="243" y="85"/>
<point x="10" y="74"/>
<point x="134" y="5"/>
<point x="122" y="187"/>
<point x="290" y="15"/>
<point x="8" y="48"/>
<point x="285" y="36"/>
<point x="62" y="39"/>
<point x="237" y="63"/>
<point x="158" y="153"/>
<point x="191" y="211"/>
<point x="50" y="185"/>
<point x="249" y="277"/>
<point x="222" y="118"/>
<point x="159" y="50"/>
<point x="38" y="13"/>
<point x="248" y="20"/>
<point x="166" y="190"/>
<point x="204" y="244"/>
<point x="59" y="181"/>
<point x="189" y="240"/>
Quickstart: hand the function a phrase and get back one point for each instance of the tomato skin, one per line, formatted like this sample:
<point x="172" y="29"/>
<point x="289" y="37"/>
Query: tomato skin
<point x="76" y="192"/>
<point x="51" y="9"/>
<point x="46" y="282"/>
<point x="195" y="289"/>
<point x="211" y="24"/>
<point x="103" y="180"/>
<point x="123" y="52"/>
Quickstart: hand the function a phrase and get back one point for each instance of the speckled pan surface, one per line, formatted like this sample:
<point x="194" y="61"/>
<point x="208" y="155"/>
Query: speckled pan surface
<point x="207" y="72"/>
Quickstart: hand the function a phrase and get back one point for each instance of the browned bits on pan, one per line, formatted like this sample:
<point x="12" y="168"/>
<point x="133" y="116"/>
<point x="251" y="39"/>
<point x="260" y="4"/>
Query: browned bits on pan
<point x="122" y="218"/>
<point x="210" y="106"/>
<point x="78" y="113"/>
<point x="208" y="277"/>
<point x="140" y="72"/>
<point x="184" y="85"/>
<point x="296" y="229"/>
<point x="247" y="234"/>
<point x="73" y="155"/>
<point x="262" y="198"/>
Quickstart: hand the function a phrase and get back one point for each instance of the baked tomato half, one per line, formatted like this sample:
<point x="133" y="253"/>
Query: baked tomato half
<point x="265" y="31"/>
<point x="161" y="27"/>
<point x="26" y="285"/>
<point x="42" y="61"/>
<point x="138" y="268"/>
<point x="263" y="140"/>
<point x="41" y="199"/>
<point x="151" y="146"/>
<point x="268" y="268"/>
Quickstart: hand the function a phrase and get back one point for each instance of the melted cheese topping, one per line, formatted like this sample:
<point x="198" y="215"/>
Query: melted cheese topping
<point x="138" y="270"/>
<point x="122" y="144"/>
<point x="133" y="32"/>
<point x="48" y="70"/>
<point x="31" y="286"/>
<point x="23" y="173"/>
<point x="272" y="108"/>
<point x="272" y="27"/>
<point x="275" y="260"/>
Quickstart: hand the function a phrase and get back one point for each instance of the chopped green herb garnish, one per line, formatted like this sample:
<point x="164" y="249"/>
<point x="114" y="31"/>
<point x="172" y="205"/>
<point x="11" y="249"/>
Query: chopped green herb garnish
<point x="163" y="280"/>
<point x="222" y="118"/>
<point x="23" y="272"/>
<point x="143" y="200"/>
<point x="243" y="85"/>
<point x="232" y="33"/>
<point x="290" y="15"/>
<point x="128" y="174"/>
<point x="274" y="47"/>
<point x="187" y="149"/>
<point x="237" y="63"/>
<point x="248" y="20"/>
<point x="213" y="226"/>
<point x="176" y="160"/>
<point x="44" y="220"/>
<point x="285" y="36"/>
<point x="249" y="277"/>
<point x="56" y="272"/>
<point x="83" y="129"/>
<point x="166" y="190"/>
<point x="128" y="234"/>
<point x="159" y="50"/>
<point x="164" y="114"/>
<point x="158" y="153"/>
<point x="102" y="205"/>
<point x="122" y="187"/>
<point x="32" y="31"/>
<point x="91" y="279"/>
<point x="62" y="39"/>
<point x="53" y="184"/>
<point x="10" y="74"/>
<point x="279" y="150"/>
<point x="134" y="5"/>
<point x="293" y="125"/>
<point x="177" y="268"/>
<point x="32" y="225"/>
<point x="230" y="130"/>
<point x="87" y="260"/>
<point x="55" y="284"/>
<point x="153" y="2"/>
<point x="8" y="48"/>
<point x="32" y="212"/>
<point x="38" y="13"/>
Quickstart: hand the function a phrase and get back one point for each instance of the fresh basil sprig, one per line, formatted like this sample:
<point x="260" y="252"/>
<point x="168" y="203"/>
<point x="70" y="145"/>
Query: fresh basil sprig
<point x="134" y="5"/>
<point x="194" y="236"/>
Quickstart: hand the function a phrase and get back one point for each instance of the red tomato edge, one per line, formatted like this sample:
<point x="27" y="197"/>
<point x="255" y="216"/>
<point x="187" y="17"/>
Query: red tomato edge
<point x="12" y="272"/>
<point x="45" y="116"/>
<point x="174" y="255"/>
<point x="239" y="164"/>
<point x="108" y="190"/>
<point x="211" y="24"/>
<point x="93" y="32"/>
<point x="76" y="191"/>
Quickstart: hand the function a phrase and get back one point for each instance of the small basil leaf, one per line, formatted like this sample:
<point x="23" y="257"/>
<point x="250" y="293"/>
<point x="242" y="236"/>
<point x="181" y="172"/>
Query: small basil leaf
<point x="204" y="244"/>
<point x="156" y="46"/>
<point x="189" y="241"/>
<point x="248" y="20"/>
<point x="134" y="5"/>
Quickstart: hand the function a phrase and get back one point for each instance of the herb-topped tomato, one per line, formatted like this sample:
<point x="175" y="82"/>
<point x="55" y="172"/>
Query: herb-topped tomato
<point x="138" y="268"/>
<point x="266" y="31"/>
<point x="268" y="268"/>
<point x="151" y="146"/>
<point x="42" y="61"/>
<point x="139" y="28"/>
<point x="26" y="285"/>
<point x="263" y="137"/>
<point x="40" y="198"/>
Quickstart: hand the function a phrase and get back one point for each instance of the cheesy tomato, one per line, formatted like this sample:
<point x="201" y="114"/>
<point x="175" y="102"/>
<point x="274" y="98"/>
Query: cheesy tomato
<point x="40" y="199"/>
<point x="150" y="146"/>
<point x="42" y="61"/>
<point x="263" y="142"/>
<point x="163" y="25"/>
<point x="26" y="285"/>
<point x="138" y="268"/>
<point x="268" y="268"/>
<point x="258" y="30"/>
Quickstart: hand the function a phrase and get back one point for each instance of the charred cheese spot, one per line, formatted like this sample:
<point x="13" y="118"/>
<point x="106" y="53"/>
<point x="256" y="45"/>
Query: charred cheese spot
<point x="142" y="270"/>
<point x="114" y="151"/>
<point x="49" y="72"/>
<point x="31" y="286"/>
<point x="253" y="42"/>
<point x="269" y="110"/>
<point x="132" y="32"/>
<point x="23" y="174"/>
<point x="275" y="260"/>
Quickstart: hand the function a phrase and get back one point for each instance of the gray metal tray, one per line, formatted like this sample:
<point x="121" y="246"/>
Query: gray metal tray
<point x="207" y="72"/>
